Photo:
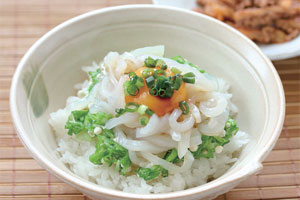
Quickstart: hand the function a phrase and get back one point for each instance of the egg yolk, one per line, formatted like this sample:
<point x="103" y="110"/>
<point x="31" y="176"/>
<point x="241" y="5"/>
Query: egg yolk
<point x="160" y="106"/>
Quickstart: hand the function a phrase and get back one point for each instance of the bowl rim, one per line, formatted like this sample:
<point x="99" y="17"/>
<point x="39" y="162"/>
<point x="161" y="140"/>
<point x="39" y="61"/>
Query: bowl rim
<point x="81" y="184"/>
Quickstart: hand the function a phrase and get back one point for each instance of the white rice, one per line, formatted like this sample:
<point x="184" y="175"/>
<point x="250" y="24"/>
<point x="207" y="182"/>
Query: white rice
<point x="106" y="97"/>
<point x="75" y="154"/>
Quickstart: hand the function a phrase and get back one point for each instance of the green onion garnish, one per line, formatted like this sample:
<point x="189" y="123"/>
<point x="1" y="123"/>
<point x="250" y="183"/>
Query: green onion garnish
<point x="149" y="112"/>
<point x="177" y="82"/>
<point x="153" y="91"/>
<point x="150" y="62"/>
<point x="134" y="107"/>
<point x="179" y="59"/>
<point x="147" y="72"/>
<point x="142" y="109"/>
<point x="161" y="92"/>
<point x="172" y="156"/>
<point x="159" y="73"/>
<point x="131" y="107"/>
<point x="139" y="82"/>
<point x="131" y="75"/>
<point x="166" y="83"/>
<point x="175" y="70"/>
<point x="196" y="67"/>
<point x="132" y="90"/>
<point x="159" y="81"/>
<point x="230" y="123"/>
<point x="160" y="63"/>
<point x="184" y="107"/>
<point x="188" y="80"/>
<point x="94" y="78"/>
<point x="189" y="77"/>
<point x="144" y="120"/>
<point x="120" y="111"/>
<point x="125" y="86"/>
<point x="150" y="81"/>
<point x="132" y="86"/>
<point x="164" y="67"/>
<point x="169" y="92"/>
<point x="189" y="74"/>
<point x="156" y="80"/>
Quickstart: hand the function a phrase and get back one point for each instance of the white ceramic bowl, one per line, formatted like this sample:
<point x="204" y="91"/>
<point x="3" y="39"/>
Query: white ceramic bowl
<point x="273" y="51"/>
<point x="47" y="73"/>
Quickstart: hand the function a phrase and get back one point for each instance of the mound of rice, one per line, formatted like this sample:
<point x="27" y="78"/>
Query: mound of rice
<point x="75" y="154"/>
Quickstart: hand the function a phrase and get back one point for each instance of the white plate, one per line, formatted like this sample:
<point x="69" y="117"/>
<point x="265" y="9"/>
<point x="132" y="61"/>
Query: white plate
<point x="273" y="51"/>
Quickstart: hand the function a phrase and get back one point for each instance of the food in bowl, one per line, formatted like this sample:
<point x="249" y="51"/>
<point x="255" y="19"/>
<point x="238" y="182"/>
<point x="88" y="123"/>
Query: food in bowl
<point x="263" y="21"/>
<point x="144" y="123"/>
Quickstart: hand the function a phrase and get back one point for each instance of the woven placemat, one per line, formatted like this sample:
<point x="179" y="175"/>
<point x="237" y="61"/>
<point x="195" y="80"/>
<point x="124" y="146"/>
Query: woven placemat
<point x="22" y="22"/>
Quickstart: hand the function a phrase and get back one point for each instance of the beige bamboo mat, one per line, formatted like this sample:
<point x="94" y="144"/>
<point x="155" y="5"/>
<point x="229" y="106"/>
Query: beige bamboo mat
<point x="23" y="21"/>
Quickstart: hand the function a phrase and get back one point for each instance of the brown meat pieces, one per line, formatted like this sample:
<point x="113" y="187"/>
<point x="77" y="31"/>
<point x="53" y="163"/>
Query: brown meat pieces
<point x="216" y="9"/>
<point x="264" y="21"/>
<point x="267" y="34"/>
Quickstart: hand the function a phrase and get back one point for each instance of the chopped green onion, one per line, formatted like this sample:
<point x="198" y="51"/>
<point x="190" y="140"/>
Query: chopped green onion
<point x="79" y="115"/>
<point x="131" y="107"/>
<point x="150" y="81"/>
<point x="149" y="112"/>
<point x="230" y="123"/>
<point x="151" y="173"/>
<point x="125" y="86"/>
<point x="147" y="72"/>
<point x="209" y="143"/>
<point x="131" y="75"/>
<point x="159" y="73"/>
<point x="132" y="86"/>
<point x="94" y="78"/>
<point x="166" y="84"/>
<point x="110" y="152"/>
<point x="177" y="82"/>
<point x="144" y="120"/>
<point x="82" y="122"/>
<point x="161" y="92"/>
<point x="188" y="80"/>
<point x="196" y="67"/>
<point x="139" y="82"/>
<point x="158" y="82"/>
<point x="175" y="70"/>
<point x="153" y="91"/>
<point x="189" y="74"/>
<point x="150" y="62"/>
<point x="144" y="74"/>
<point x="169" y="92"/>
<point x="172" y="156"/>
<point x="142" y="109"/>
<point x="132" y="90"/>
<point x="184" y="107"/>
<point x="179" y="59"/>
<point x="164" y="67"/>
<point x="189" y="77"/>
<point x="120" y="111"/>
<point x="160" y="63"/>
